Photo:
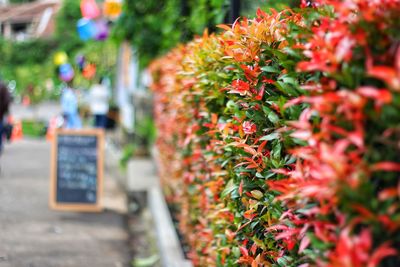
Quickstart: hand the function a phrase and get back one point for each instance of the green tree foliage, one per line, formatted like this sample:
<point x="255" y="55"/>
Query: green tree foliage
<point x="27" y="52"/>
<point x="67" y="17"/>
<point x="29" y="64"/>
<point x="154" y="27"/>
<point x="249" y="7"/>
<point x="20" y="1"/>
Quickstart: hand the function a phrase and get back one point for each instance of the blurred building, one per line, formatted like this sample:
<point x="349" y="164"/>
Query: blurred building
<point x="22" y="22"/>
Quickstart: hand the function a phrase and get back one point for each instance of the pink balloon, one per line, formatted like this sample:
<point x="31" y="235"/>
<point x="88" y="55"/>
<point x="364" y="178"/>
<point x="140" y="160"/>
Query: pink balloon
<point x="89" y="9"/>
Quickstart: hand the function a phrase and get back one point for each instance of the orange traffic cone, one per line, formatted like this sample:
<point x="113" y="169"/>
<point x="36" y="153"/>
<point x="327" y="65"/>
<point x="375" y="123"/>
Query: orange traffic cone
<point x="17" y="131"/>
<point x="51" y="130"/>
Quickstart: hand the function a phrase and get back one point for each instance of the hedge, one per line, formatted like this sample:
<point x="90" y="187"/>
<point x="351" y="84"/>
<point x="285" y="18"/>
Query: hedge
<point x="278" y="137"/>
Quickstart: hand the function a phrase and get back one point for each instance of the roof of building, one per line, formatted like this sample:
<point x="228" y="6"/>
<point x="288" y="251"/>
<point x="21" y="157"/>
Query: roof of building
<point x="27" y="11"/>
<point x="31" y="12"/>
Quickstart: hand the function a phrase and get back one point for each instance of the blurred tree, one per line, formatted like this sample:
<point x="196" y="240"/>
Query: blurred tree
<point x="249" y="7"/>
<point x="28" y="63"/>
<point x="154" y="27"/>
<point x="27" y="52"/>
<point x="66" y="36"/>
<point x="20" y="1"/>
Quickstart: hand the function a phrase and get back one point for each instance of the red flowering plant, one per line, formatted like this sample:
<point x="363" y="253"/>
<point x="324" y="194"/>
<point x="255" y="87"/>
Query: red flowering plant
<point x="279" y="136"/>
<point x="344" y="189"/>
<point x="233" y="87"/>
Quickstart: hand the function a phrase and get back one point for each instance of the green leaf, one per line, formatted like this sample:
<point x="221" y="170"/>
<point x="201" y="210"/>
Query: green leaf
<point x="266" y="110"/>
<point x="270" y="137"/>
<point x="273" y="117"/>
<point x="236" y="251"/>
<point x="286" y="88"/>
<point x="292" y="52"/>
<point x="257" y="194"/>
<point x="276" y="150"/>
<point x="288" y="79"/>
<point x="229" y="188"/>
<point x="146" y="262"/>
<point x="270" y="69"/>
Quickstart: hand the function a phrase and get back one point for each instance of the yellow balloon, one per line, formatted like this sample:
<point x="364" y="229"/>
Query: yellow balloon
<point x="60" y="58"/>
<point x="112" y="8"/>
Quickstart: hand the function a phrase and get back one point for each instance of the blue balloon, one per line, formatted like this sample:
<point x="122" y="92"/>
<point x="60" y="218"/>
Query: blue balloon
<point x="66" y="72"/>
<point x="86" y="29"/>
<point x="66" y="68"/>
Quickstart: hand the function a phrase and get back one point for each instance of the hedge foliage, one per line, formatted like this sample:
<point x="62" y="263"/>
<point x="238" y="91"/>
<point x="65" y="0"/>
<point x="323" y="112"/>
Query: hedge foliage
<point x="278" y="138"/>
<point x="154" y="27"/>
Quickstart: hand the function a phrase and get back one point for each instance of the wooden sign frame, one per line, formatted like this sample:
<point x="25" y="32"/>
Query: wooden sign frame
<point x="96" y="207"/>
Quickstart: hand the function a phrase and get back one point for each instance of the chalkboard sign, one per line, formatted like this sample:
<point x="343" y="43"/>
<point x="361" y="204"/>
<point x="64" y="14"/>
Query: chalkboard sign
<point x="77" y="170"/>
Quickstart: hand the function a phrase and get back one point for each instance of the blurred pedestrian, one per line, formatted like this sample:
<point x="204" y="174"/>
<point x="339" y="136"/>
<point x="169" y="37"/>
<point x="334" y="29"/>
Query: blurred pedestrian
<point x="5" y="100"/>
<point x="99" y="98"/>
<point x="69" y="106"/>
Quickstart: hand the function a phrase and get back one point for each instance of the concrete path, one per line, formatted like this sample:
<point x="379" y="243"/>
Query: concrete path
<point x="44" y="112"/>
<point x="32" y="235"/>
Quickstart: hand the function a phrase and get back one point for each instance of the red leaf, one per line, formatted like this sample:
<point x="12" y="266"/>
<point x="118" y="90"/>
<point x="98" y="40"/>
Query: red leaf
<point x="261" y="14"/>
<point x="249" y="127"/>
<point x="250" y="214"/>
<point x="387" y="74"/>
<point x="240" y="86"/>
<point x="224" y="27"/>
<point x="386" y="166"/>
<point x="388" y="223"/>
<point x="304" y="244"/>
<point x="244" y="251"/>
<point x="363" y="211"/>
<point x="253" y="249"/>
<point x="380" y="253"/>
<point x="266" y="80"/>
<point x="287" y="233"/>
<point x="388" y="193"/>
<point x="380" y="95"/>
<point x="260" y="93"/>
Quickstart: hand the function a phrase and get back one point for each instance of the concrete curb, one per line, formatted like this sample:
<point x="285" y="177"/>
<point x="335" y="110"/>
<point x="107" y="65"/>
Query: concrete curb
<point x="142" y="177"/>
<point x="168" y="241"/>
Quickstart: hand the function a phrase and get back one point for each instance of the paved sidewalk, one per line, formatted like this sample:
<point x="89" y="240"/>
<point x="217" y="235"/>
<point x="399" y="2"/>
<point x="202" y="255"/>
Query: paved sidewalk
<point x="45" y="111"/>
<point x="32" y="235"/>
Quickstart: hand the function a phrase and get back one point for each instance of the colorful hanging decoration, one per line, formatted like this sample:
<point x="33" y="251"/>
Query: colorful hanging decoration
<point x="60" y="58"/>
<point x="112" y="9"/>
<point x="89" y="9"/>
<point x="101" y="30"/>
<point x="86" y="29"/>
<point x="66" y="72"/>
<point x="80" y="61"/>
<point x="89" y="71"/>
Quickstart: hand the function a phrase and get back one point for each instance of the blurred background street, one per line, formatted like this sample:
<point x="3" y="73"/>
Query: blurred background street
<point x="33" y="235"/>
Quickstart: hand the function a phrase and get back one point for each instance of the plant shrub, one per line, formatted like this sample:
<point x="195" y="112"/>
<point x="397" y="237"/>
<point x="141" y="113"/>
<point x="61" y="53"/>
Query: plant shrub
<point x="278" y="137"/>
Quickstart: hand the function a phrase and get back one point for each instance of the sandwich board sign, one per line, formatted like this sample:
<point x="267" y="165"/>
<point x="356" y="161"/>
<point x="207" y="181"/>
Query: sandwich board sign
<point x="77" y="160"/>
